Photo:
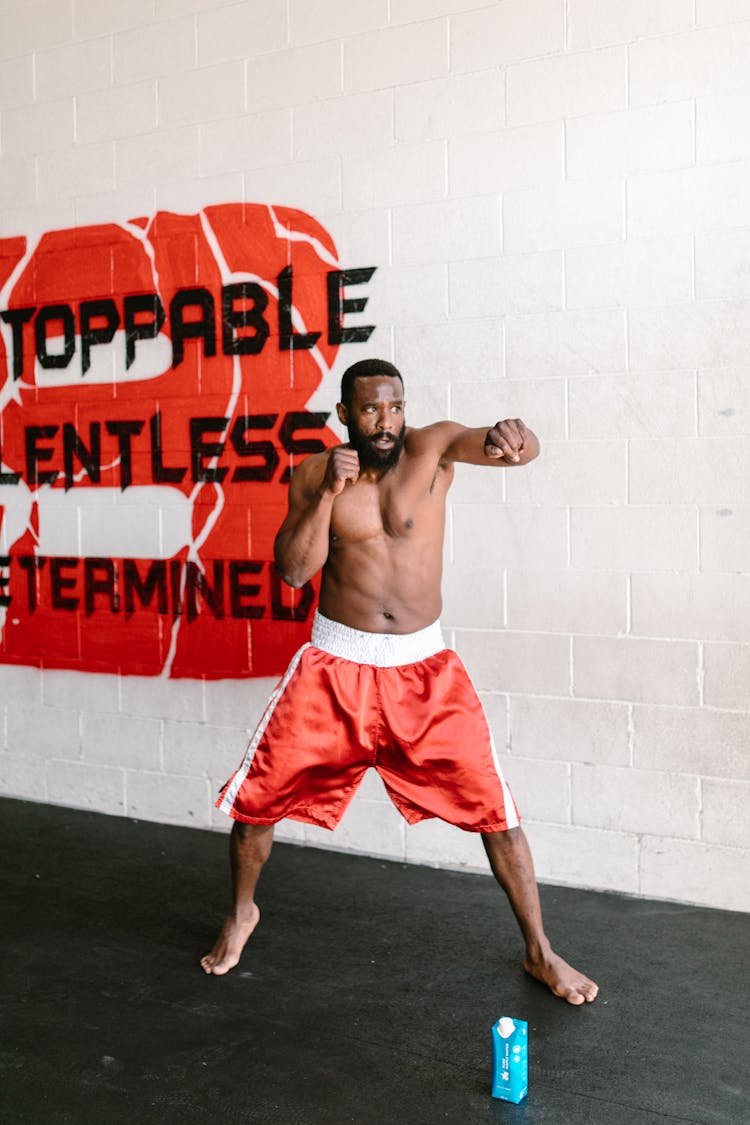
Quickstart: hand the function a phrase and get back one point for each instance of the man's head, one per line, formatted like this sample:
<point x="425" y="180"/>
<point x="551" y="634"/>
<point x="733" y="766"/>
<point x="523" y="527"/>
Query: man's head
<point x="372" y="409"/>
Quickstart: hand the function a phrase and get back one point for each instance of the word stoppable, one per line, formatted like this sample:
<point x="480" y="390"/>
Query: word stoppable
<point x="241" y="327"/>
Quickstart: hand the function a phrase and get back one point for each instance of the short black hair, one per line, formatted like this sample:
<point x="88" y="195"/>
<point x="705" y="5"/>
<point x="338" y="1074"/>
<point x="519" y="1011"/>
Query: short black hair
<point x="362" y="370"/>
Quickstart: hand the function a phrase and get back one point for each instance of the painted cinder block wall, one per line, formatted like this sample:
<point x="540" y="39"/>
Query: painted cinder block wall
<point x="556" y="194"/>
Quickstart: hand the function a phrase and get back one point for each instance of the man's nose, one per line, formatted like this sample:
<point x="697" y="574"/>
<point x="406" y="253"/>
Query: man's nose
<point x="385" y="421"/>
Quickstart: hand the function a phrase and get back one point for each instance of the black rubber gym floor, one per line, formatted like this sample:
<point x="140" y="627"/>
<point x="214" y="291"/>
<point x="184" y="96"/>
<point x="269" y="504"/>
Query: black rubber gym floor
<point x="366" y="995"/>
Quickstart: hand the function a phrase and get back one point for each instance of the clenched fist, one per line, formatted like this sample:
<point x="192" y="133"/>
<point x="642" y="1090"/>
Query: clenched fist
<point x="343" y="465"/>
<point x="506" y="439"/>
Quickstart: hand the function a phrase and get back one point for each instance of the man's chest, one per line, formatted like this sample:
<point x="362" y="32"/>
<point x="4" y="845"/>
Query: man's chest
<point x="396" y="507"/>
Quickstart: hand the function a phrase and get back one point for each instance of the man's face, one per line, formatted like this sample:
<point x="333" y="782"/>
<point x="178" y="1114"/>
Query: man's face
<point x="375" y="420"/>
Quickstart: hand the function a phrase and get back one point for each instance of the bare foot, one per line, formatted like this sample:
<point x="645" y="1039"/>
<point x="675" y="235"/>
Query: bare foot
<point x="562" y="978"/>
<point x="229" y="944"/>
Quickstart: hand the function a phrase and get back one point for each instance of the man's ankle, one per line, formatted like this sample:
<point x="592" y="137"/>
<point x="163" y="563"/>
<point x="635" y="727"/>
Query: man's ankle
<point x="538" y="951"/>
<point x="244" y="913"/>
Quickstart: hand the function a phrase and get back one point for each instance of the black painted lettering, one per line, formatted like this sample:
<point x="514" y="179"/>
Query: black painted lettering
<point x="197" y="583"/>
<point x="51" y="314"/>
<point x="159" y="472"/>
<point x="301" y="420"/>
<point x="5" y="599"/>
<point x="232" y="318"/>
<point x="339" y="306"/>
<point x="134" y="307"/>
<point x="175" y="586"/>
<point x="155" y="582"/>
<point x="6" y="477"/>
<point x="90" y="459"/>
<point x="60" y="582"/>
<point x="200" y="449"/>
<point x="36" y="455"/>
<point x="90" y="312"/>
<point x="32" y="564"/>
<point x="16" y="318"/>
<point x="100" y="578"/>
<point x="245" y="448"/>
<point x="124" y="430"/>
<point x="239" y="590"/>
<point x="282" y="612"/>
<point x="203" y="327"/>
<point x="289" y="340"/>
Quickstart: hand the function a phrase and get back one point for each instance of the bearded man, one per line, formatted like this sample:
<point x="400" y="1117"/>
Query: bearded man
<point x="376" y="686"/>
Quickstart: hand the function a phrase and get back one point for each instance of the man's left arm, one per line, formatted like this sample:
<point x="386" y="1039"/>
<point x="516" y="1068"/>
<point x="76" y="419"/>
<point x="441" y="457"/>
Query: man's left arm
<point x="509" y="442"/>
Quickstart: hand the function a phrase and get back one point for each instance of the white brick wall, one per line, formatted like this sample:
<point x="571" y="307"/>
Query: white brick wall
<point x="631" y="668"/>
<point x="450" y="107"/>
<point x="294" y="77"/>
<point x="574" y="213"/>
<point x="628" y="141"/>
<point x="468" y="228"/>
<point x="202" y="95"/>
<point x="152" y="51"/>
<point x="381" y="59"/>
<point x="40" y="25"/>
<point x="499" y="34"/>
<point x="557" y="198"/>
<point x="506" y="159"/>
<point x="565" y="343"/>
<point x="514" y="283"/>
<point x="17" y="80"/>
<point x="628" y="274"/>
<point x="721" y="265"/>
<point x="252" y="27"/>
<point x="598" y="23"/>
<point x="709" y="60"/>
<point x="38" y="128"/>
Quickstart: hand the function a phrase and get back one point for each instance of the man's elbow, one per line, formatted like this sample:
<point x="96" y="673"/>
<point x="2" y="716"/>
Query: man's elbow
<point x="289" y="573"/>
<point x="283" y="565"/>
<point x="293" y="580"/>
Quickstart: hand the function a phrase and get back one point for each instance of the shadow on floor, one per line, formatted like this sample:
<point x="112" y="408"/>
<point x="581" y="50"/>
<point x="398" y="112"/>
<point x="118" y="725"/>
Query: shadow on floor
<point x="367" y="996"/>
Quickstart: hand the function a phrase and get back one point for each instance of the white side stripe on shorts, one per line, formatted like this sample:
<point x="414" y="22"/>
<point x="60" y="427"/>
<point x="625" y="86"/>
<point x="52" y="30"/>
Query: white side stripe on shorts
<point x="510" y="809"/>
<point x="233" y="789"/>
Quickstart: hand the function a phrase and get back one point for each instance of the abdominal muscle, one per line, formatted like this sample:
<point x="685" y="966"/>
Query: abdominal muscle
<point x="383" y="585"/>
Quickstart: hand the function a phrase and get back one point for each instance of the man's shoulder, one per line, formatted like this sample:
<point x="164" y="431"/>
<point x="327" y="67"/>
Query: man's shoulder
<point x="309" y="473"/>
<point x="432" y="434"/>
<point x="314" y="462"/>
<point x="434" y="438"/>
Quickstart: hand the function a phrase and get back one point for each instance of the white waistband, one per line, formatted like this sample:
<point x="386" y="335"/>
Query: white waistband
<point x="384" y="650"/>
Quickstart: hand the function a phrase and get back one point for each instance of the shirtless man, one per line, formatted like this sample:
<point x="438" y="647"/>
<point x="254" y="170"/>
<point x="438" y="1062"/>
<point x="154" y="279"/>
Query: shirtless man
<point x="377" y="687"/>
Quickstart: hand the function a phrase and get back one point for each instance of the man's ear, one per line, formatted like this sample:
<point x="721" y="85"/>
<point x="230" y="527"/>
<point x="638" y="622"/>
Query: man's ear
<point x="342" y="413"/>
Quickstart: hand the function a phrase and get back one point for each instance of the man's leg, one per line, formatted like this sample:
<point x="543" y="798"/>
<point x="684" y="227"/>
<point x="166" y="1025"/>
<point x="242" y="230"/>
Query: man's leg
<point x="512" y="866"/>
<point x="249" y="848"/>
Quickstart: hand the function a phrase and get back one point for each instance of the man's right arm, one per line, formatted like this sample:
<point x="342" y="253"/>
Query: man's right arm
<point x="303" y="540"/>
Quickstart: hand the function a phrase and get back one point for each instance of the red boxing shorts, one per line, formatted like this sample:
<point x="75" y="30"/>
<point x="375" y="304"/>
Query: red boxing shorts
<point x="351" y="700"/>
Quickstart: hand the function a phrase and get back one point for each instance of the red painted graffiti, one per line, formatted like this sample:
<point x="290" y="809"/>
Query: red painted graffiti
<point x="155" y="387"/>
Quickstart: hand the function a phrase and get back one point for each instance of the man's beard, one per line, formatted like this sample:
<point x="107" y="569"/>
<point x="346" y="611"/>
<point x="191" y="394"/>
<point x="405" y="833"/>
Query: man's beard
<point x="370" y="457"/>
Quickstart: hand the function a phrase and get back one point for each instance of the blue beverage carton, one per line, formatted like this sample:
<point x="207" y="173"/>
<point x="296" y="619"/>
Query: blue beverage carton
<point x="510" y="1059"/>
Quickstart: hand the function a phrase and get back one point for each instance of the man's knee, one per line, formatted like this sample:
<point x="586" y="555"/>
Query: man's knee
<point x="509" y="837"/>
<point x="508" y="846"/>
<point x="253" y="837"/>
